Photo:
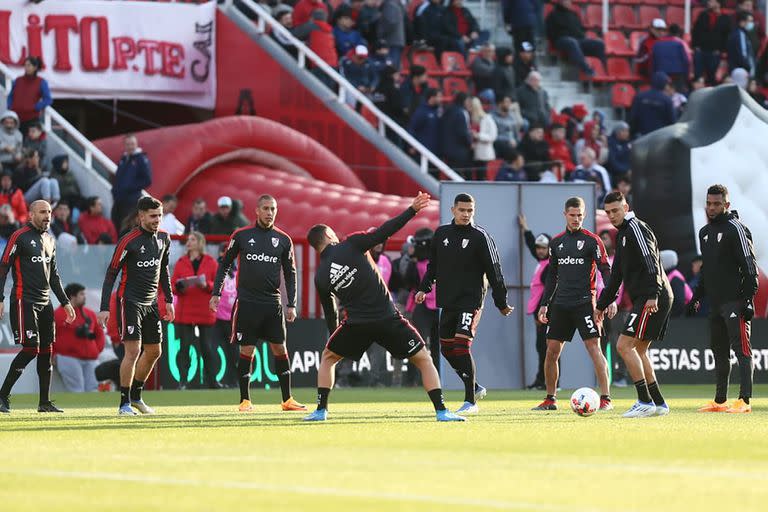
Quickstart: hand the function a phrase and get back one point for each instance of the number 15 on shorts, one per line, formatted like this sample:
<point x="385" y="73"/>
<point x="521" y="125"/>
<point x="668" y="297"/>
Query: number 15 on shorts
<point x="466" y="320"/>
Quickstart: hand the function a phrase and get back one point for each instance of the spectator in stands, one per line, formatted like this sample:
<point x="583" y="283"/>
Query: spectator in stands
<point x="693" y="282"/>
<point x="535" y="150"/>
<point x="565" y="31"/>
<point x="757" y="34"/>
<point x="652" y="109"/>
<point x="484" y="133"/>
<point x="68" y="186"/>
<point x="390" y="28"/>
<point x="11" y="141"/>
<point x="484" y="70"/>
<point x="29" y="95"/>
<point x="741" y="53"/>
<point x="78" y="344"/>
<point x="679" y="99"/>
<point x="456" y="136"/>
<point x="698" y="83"/>
<point x="681" y="292"/>
<point x="425" y="122"/>
<point x="509" y="124"/>
<point x="34" y="139"/>
<point x="8" y="224"/>
<point x="134" y="174"/>
<point x="428" y="27"/>
<point x="590" y="171"/>
<point x="33" y="181"/>
<point x="304" y="10"/>
<point x="200" y="218"/>
<point x="460" y="26"/>
<point x="368" y="20"/>
<point x="592" y="138"/>
<point x="520" y="18"/>
<point x="625" y="186"/>
<point x="356" y="68"/>
<point x="13" y="196"/>
<point x="513" y="168"/>
<point x="347" y="38"/>
<point x="285" y="18"/>
<point x="94" y="224"/>
<point x="61" y="223"/>
<point x="534" y="100"/>
<point x="560" y="150"/>
<point x="710" y="40"/>
<point x="228" y="218"/>
<point x="318" y="35"/>
<point x="414" y="90"/>
<point x="670" y="55"/>
<point x="619" y="152"/>
<point x="504" y="80"/>
<point x="676" y="33"/>
<point x="525" y="62"/>
<point x="758" y="96"/>
<point x="656" y="32"/>
<point x="388" y="98"/>
<point x="169" y="222"/>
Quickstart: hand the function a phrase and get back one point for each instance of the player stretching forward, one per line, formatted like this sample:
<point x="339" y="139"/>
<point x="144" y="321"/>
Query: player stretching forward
<point x="462" y="256"/>
<point x="570" y="289"/>
<point x="262" y="251"/>
<point x="638" y="266"/>
<point x="31" y="251"/>
<point x="348" y="272"/>
<point x="142" y="256"/>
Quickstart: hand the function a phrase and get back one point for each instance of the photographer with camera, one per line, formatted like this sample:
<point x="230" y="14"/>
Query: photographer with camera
<point x="78" y="344"/>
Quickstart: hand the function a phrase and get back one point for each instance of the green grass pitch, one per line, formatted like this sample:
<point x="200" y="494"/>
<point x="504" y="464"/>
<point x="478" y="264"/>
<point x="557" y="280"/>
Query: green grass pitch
<point x="380" y="450"/>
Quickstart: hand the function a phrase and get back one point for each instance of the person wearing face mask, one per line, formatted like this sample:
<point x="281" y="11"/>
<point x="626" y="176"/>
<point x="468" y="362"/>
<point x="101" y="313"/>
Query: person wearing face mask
<point x="741" y="53"/>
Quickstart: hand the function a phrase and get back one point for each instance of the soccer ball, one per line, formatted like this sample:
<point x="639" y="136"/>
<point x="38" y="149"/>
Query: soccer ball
<point x="585" y="401"/>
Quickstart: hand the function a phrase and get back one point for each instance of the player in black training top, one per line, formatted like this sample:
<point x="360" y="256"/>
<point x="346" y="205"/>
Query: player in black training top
<point x="568" y="303"/>
<point x="637" y="264"/>
<point x="729" y="278"/>
<point x="31" y="253"/>
<point x="142" y="257"/>
<point x="347" y="271"/>
<point x="263" y="251"/>
<point x="463" y="256"/>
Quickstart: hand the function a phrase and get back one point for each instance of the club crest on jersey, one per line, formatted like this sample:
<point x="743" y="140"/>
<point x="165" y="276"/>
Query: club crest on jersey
<point x="30" y="334"/>
<point x="159" y="245"/>
<point x="275" y="242"/>
<point x="239" y="336"/>
<point x="579" y="245"/>
<point x="445" y="242"/>
<point x="719" y="237"/>
<point x="130" y="329"/>
<point x="464" y="243"/>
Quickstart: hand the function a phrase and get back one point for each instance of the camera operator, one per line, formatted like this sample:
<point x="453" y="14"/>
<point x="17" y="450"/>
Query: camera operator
<point x="78" y="344"/>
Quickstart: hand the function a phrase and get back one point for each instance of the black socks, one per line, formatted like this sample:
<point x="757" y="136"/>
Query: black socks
<point x="283" y="375"/>
<point x="44" y="371"/>
<point x="136" y="388"/>
<point x="244" y="376"/>
<point x="125" y="396"/>
<point x="655" y="392"/>
<point x="436" y="395"/>
<point x="322" y="398"/>
<point x="18" y="364"/>
<point x="643" y="394"/>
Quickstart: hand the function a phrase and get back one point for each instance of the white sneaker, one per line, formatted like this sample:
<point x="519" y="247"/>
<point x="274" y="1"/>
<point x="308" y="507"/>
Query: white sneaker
<point x="640" y="410"/>
<point x="468" y="408"/>
<point x="142" y="407"/>
<point x="662" y="410"/>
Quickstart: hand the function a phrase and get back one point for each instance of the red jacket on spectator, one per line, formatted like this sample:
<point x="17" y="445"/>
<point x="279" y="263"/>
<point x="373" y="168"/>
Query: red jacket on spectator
<point x="192" y="301"/>
<point x="68" y="343"/>
<point x="560" y="150"/>
<point x="15" y="198"/>
<point x="93" y="226"/>
<point x="322" y="42"/>
<point x="302" y="11"/>
<point x="643" y="60"/>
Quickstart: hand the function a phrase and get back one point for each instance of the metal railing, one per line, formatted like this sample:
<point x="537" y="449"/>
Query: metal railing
<point x="346" y="90"/>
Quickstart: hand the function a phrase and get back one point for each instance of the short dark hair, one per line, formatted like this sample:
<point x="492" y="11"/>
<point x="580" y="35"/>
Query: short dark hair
<point x="744" y="16"/>
<point x="624" y="179"/>
<point x="73" y="289"/>
<point x="169" y="197"/>
<point x="418" y="70"/>
<point x="463" y="198"/>
<point x="91" y="201"/>
<point x="460" y="98"/>
<point x="511" y="154"/>
<point x="615" y="197"/>
<point x="200" y="200"/>
<point x="501" y="97"/>
<point x="62" y="202"/>
<point x="316" y="234"/>
<point x="717" y="190"/>
<point x="266" y="197"/>
<point x="604" y="232"/>
<point x="430" y="93"/>
<point x="574" y="202"/>
<point x="35" y="61"/>
<point x="30" y="152"/>
<point x="147" y="203"/>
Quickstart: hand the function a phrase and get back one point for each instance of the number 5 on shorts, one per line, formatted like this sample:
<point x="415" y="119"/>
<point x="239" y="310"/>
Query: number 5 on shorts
<point x="466" y="320"/>
<point x="588" y="321"/>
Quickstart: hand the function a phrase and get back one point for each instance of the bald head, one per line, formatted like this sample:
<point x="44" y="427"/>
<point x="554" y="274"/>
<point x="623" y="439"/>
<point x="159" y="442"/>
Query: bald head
<point x="40" y="214"/>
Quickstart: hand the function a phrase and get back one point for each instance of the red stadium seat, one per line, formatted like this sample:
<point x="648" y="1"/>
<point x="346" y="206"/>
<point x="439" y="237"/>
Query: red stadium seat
<point x="426" y="59"/>
<point x="624" y="17"/>
<point x="635" y="38"/>
<point x="594" y="16"/>
<point x="600" y="75"/>
<point x="620" y="70"/>
<point x="622" y="95"/>
<point x="676" y="15"/>
<point x="453" y="85"/>
<point x="616" y="44"/>
<point x="695" y="12"/>
<point x="405" y="62"/>
<point x="647" y="15"/>
<point x="452" y="63"/>
<point x="433" y="83"/>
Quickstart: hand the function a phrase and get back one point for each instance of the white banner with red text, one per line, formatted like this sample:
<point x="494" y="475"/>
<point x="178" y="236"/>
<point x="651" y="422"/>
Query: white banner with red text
<point x="124" y="50"/>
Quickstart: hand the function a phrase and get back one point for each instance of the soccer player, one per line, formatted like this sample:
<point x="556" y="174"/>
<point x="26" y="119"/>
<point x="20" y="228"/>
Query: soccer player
<point x="347" y="271"/>
<point x="637" y="264"/>
<point x="262" y="252"/>
<point x="142" y="257"/>
<point x="574" y="255"/>
<point x="31" y="253"/>
<point x="729" y="279"/>
<point x="462" y="256"/>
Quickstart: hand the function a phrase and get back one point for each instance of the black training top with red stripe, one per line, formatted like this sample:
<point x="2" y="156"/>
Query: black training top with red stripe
<point x="31" y="254"/>
<point x="142" y="257"/>
<point x="637" y="264"/>
<point x="262" y="253"/>
<point x="348" y="272"/>
<point x="574" y="256"/>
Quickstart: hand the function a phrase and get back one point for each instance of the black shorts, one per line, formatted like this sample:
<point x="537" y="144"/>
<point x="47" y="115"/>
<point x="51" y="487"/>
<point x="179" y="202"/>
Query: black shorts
<point x="138" y="323"/>
<point x="564" y="321"/>
<point x="32" y="325"/>
<point x="464" y="323"/>
<point x="645" y="326"/>
<point x="396" y="335"/>
<point x="253" y="322"/>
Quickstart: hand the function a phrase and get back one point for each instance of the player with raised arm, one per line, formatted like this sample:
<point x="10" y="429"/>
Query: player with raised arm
<point x="569" y="299"/>
<point x="463" y="255"/>
<point x="262" y="251"/>
<point x="31" y="253"/>
<point x="637" y="264"/>
<point x="347" y="272"/>
<point x="141" y="255"/>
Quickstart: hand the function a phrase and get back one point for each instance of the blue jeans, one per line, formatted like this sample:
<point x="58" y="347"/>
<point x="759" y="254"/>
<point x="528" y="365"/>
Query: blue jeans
<point x="575" y="49"/>
<point x="395" y="54"/>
